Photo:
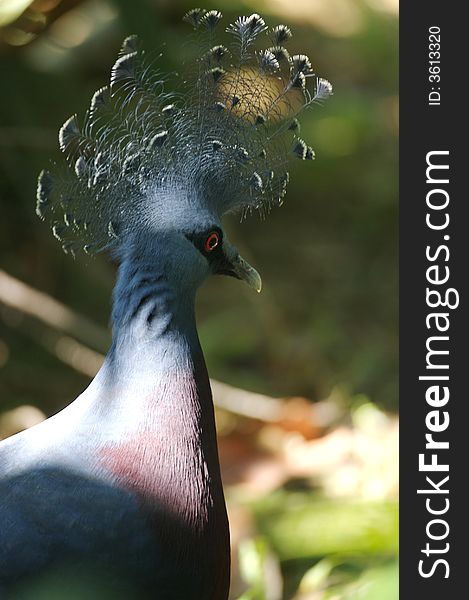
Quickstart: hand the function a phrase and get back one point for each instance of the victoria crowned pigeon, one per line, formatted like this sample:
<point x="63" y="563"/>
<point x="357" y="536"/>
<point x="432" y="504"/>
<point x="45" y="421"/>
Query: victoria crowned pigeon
<point x="125" y="482"/>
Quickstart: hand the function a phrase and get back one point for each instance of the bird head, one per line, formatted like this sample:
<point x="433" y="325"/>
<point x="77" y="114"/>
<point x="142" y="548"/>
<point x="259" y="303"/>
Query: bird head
<point x="190" y="247"/>
<point x="147" y="167"/>
<point x="217" y="256"/>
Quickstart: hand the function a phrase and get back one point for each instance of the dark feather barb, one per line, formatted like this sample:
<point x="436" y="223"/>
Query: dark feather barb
<point x="224" y="142"/>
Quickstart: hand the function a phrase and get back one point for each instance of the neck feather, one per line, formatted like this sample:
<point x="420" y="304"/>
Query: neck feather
<point x="156" y="389"/>
<point x="154" y="328"/>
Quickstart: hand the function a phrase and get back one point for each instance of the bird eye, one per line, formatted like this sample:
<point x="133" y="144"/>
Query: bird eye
<point x="211" y="242"/>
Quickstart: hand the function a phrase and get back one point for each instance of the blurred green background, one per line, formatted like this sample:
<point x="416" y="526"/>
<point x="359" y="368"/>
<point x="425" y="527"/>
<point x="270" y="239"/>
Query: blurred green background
<point x="325" y="325"/>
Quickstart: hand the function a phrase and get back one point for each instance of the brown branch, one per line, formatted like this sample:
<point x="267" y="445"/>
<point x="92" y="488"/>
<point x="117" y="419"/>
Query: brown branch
<point x="23" y="297"/>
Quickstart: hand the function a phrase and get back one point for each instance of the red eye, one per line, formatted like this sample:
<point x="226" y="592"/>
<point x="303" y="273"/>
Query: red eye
<point x="211" y="242"/>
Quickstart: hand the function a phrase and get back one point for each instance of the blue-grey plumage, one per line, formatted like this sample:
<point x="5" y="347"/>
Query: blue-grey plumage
<point x="127" y="477"/>
<point x="126" y="480"/>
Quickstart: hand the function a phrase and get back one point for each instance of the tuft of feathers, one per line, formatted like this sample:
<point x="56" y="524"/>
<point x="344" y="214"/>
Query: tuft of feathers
<point x="210" y="19"/>
<point x="142" y="153"/>
<point x="281" y="34"/>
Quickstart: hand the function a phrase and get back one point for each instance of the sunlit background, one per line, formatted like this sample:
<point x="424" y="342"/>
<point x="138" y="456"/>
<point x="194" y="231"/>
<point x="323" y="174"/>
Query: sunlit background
<point x="310" y="466"/>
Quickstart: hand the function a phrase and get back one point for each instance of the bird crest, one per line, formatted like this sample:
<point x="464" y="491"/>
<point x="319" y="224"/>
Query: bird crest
<point x="221" y="142"/>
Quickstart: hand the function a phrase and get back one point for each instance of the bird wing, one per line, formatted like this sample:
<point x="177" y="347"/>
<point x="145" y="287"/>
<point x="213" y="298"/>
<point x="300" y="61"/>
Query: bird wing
<point x="51" y="515"/>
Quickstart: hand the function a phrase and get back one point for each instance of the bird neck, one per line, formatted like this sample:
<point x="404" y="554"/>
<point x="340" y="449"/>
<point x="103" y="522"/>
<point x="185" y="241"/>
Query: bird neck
<point x="151" y="308"/>
<point x="155" y="341"/>
<point x="155" y="396"/>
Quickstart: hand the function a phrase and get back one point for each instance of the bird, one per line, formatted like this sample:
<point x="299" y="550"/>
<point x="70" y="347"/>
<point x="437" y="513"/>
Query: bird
<point x="124" y="483"/>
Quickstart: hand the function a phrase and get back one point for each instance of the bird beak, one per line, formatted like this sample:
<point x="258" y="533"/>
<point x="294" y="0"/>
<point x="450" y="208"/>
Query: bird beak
<point x="236" y="266"/>
<point x="244" y="271"/>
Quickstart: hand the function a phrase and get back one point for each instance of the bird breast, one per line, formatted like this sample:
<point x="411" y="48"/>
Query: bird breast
<point x="169" y="459"/>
